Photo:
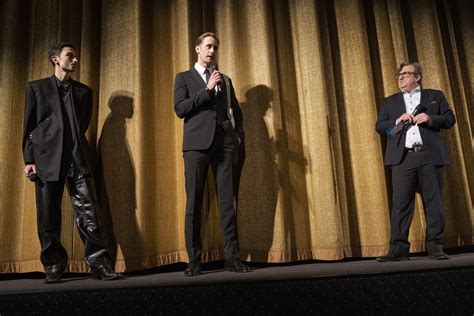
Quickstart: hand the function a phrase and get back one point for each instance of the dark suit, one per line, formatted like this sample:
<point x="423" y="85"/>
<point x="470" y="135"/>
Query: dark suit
<point x="208" y="140"/>
<point x="55" y="122"/>
<point x="412" y="169"/>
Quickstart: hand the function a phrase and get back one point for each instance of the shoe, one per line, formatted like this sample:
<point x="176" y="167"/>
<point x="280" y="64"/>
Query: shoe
<point x="236" y="265"/>
<point x="393" y="256"/>
<point x="193" y="269"/>
<point x="437" y="254"/>
<point x="54" y="273"/>
<point x="104" y="272"/>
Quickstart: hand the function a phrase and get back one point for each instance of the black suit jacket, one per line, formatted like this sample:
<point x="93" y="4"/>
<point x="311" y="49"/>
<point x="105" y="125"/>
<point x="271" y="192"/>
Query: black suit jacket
<point x="43" y="120"/>
<point x="442" y="117"/>
<point x="198" y="109"/>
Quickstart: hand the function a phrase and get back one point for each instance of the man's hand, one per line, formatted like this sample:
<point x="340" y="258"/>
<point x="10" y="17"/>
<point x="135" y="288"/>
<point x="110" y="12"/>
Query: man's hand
<point x="29" y="169"/>
<point x="405" y="117"/>
<point x="214" y="79"/>
<point x="422" y="118"/>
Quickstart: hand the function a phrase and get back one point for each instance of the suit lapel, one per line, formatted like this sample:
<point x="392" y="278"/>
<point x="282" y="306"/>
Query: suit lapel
<point x="77" y="96"/>
<point x="399" y="105"/>
<point x="399" y="110"/>
<point x="197" y="77"/>
<point x="52" y="95"/>
<point x="424" y="98"/>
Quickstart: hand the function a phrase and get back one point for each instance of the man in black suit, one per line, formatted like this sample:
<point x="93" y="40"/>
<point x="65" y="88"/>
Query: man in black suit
<point x="212" y="131"/>
<point x="416" y="154"/>
<point x="55" y="151"/>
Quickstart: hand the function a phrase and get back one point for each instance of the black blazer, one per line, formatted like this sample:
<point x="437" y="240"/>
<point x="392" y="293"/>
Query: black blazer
<point x="43" y="120"/>
<point x="198" y="109"/>
<point x="436" y="106"/>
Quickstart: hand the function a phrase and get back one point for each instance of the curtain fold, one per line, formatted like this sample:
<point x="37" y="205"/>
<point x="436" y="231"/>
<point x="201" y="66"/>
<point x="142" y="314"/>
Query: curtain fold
<point x="310" y="77"/>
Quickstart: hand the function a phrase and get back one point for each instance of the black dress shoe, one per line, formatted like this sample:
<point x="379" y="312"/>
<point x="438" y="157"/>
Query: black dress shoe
<point x="437" y="254"/>
<point x="193" y="268"/>
<point x="54" y="273"/>
<point x="104" y="272"/>
<point x="236" y="265"/>
<point x="392" y="256"/>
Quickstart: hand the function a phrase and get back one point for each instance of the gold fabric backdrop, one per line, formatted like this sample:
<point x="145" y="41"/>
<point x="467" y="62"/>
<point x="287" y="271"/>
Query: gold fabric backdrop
<point x="310" y="77"/>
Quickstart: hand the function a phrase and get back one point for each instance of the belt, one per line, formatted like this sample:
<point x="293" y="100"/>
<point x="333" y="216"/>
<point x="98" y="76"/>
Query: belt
<point x="415" y="148"/>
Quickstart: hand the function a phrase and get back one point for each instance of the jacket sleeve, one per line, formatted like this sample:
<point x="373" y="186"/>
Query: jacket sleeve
<point x="384" y="121"/>
<point x="445" y="118"/>
<point x="237" y="112"/>
<point x="29" y="124"/>
<point x="185" y="105"/>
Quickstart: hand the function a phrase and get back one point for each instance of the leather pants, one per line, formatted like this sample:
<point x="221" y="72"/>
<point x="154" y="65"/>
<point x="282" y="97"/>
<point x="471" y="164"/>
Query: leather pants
<point x="48" y="205"/>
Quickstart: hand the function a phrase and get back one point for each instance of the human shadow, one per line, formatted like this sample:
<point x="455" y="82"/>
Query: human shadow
<point x="265" y="180"/>
<point x="258" y="193"/>
<point x="116" y="189"/>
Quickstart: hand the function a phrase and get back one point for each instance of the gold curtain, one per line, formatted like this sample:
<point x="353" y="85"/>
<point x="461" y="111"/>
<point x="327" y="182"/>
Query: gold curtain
<point x="310" y="77"/>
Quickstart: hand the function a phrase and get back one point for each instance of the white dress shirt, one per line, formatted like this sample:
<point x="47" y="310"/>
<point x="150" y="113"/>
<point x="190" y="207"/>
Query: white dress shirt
<point x="201" y="70"/>
<point x="412" y="99"/>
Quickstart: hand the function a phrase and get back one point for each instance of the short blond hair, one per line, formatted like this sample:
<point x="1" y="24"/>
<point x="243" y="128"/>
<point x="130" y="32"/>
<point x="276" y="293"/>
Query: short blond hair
<point x="204" y="35"/>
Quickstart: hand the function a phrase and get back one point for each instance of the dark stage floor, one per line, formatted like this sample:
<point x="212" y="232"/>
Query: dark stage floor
<point x="360" y="285"/>
<point x="33" y="282"/>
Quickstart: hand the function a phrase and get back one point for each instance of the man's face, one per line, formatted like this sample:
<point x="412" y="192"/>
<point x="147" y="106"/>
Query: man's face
<point x="407" y="79"/>
<point x="207" y="51"/>
<point x="67" y="59"/>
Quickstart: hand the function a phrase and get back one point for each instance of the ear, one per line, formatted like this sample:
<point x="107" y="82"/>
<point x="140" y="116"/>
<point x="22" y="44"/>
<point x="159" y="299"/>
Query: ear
<point x="54" y="59"/>
<point x="197" y="49"/>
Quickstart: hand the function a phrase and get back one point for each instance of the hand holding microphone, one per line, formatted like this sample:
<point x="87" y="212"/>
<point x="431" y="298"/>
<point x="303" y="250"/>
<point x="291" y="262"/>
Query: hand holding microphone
<point x="409" y="118"/>
<point x="30" y="172"/>
<point x="406" y="119"/>
<point x="215" y="77"/>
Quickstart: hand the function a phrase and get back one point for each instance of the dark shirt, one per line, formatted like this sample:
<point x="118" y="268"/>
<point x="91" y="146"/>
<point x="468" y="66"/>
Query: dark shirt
<point x="73" y="160"/>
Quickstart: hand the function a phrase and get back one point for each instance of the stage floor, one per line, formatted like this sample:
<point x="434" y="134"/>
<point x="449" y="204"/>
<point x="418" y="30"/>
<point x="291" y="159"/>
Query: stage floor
<point x="213" y="273"/>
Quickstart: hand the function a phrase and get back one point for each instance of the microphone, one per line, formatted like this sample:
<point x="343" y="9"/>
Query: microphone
<point x="419" y="108"/>
<point x="391" y="132"/>
<point x="214" y="67"/>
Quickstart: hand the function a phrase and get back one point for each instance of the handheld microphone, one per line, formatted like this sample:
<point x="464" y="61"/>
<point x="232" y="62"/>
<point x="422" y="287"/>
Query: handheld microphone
<point x="214" y="67"/>
<point x="391" y="132"/>
<point x="419" y="108"/>
<point x="32" y="176"/>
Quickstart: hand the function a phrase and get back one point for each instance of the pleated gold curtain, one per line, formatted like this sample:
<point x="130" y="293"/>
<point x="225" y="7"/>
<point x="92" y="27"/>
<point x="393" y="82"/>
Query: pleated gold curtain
<point x="310" y="77"/>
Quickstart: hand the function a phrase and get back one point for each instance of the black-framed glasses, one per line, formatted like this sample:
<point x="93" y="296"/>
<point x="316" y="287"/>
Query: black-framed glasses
<point x="406" y="74"/>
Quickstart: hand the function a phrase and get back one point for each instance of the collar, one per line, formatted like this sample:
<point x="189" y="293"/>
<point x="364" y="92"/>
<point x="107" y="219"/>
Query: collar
<point x="59" y="83"/>
<point x="415" y="90"/>
<point x="199" y="69"/>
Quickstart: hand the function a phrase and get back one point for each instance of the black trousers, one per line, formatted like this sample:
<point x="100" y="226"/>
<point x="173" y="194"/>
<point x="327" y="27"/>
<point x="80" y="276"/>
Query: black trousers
<point x="416" y="171"/>
<point x="197" y="162"/>
<point x="48" y="205"/>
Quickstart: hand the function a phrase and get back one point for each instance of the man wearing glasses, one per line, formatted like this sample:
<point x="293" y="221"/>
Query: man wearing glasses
<point x="412" y="120"/>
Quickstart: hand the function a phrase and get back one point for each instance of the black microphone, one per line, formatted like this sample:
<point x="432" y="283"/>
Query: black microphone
<point x="214" y="67"/>
<point x="391" y="132"/>
<point x="32" y="176"/>
<point x="419" y="109"/>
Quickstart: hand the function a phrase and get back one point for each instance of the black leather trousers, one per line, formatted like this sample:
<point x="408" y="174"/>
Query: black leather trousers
<point x="48" y="205"/>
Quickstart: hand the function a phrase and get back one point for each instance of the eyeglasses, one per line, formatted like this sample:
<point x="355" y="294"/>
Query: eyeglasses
<point x="406" y="74"/>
